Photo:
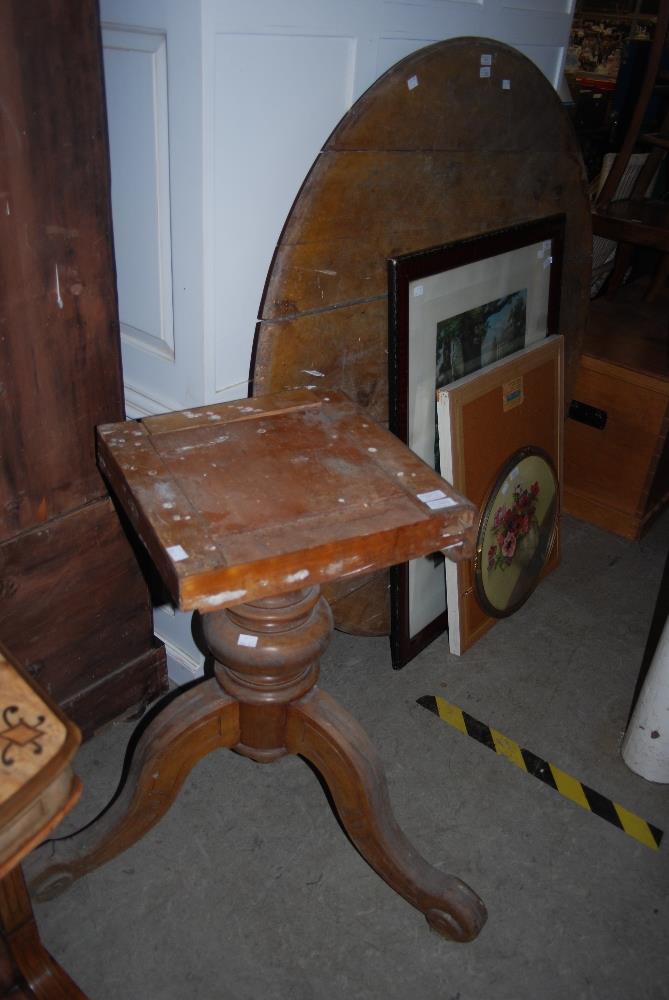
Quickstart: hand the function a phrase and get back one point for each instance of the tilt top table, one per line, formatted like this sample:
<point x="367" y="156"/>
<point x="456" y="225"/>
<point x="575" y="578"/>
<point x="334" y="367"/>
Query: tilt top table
<point x="246" y="508"/>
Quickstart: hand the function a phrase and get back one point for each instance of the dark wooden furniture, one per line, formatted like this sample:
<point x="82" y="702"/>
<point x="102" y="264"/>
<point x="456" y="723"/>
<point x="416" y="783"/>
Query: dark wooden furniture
<point x="37" y="788"/>
<point x="74" y="608"/>
<point x="250" y="507"/>
<point x="459" y="139"/>
<point x="616" y="470"/>
<point x="638" y="221"/>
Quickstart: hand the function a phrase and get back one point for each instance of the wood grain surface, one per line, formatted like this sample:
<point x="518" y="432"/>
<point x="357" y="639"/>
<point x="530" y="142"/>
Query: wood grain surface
<point x="57" y="278"/>
<point x="75" y="612"/>
<point x="409" y="168"/>
<point x="258" y="497"/>
<point x="74" y="607"/>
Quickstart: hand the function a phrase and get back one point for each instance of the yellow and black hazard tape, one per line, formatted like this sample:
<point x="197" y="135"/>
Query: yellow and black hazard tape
<point x="570" y="788"/>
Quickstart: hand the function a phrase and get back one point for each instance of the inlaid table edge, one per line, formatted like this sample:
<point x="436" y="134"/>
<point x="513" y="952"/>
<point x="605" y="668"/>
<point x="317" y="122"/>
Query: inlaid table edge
<point x="40" y="801"/>
<point x="48" y="811"/>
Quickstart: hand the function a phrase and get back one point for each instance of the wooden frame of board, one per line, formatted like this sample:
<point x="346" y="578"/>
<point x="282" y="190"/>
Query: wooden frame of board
<point x="484" y="419"/>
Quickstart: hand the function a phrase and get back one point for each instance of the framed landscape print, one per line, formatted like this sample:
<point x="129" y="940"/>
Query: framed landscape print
<point x="501" y="445"/>
<point x="455" y="310"/>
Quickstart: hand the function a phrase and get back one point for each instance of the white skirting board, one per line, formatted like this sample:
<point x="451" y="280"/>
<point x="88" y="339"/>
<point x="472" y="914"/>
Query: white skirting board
<point x="185" y="662"/>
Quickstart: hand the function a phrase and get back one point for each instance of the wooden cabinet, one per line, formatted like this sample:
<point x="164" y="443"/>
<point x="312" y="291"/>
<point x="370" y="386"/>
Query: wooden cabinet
<point x="616" y="464"/>
<point x="74" y="608"/>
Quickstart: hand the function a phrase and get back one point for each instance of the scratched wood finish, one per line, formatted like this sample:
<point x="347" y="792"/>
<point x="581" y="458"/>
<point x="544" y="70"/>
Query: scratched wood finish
<point x="323" y="732"/>
<point x="246" y="507"/>
<point x="198" y="721"/>
<point x="57" y="272"/>
<point x="263" y="703"/>
<point x="73" y="604"/>
<point x="75" y="612"/>
<point x="257" y="497"/>
<point x="407" y="169"/>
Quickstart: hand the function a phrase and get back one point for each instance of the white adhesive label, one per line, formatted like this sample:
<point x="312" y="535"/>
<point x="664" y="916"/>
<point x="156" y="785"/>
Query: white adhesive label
<point x="486" y="60"/>
<point x="441" y="503"/>
<point x="412" y="82"/>
<point x="432" y="495"/>
<point x="484" y="71"/>
<point x="177" y="553"/>
<point x="418" y="290"/>
<point x="248" y="640"/>
<point x="506" y="84"/>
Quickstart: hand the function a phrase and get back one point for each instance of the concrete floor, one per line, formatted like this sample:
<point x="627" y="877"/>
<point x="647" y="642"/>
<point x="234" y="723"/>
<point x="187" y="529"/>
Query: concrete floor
<point x="248" y="889"/>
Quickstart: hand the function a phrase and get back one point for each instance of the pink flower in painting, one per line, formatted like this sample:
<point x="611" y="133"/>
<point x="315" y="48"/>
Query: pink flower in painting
<point x="512" y="524"/>
<point x="509" y="545"/>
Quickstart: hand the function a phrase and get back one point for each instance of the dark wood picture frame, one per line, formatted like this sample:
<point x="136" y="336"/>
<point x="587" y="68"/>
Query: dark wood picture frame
<point x="546" y="237"/>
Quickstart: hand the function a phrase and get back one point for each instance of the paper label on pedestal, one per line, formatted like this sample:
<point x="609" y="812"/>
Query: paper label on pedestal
<point x="248" y="640"/>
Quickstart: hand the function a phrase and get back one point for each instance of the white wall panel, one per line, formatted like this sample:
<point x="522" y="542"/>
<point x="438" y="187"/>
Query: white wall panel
<point x="293" y="89"/>
<point x="547" y="57"/>
<point x="153" y="70"/>
<point x="537" y="6"/>
<point x="136" y="82"/>
<point x="532" y="26"/>
<point x="391" y="50"/>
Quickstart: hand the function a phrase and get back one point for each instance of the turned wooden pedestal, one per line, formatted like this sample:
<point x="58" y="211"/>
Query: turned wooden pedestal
<point x="247" y="508"/>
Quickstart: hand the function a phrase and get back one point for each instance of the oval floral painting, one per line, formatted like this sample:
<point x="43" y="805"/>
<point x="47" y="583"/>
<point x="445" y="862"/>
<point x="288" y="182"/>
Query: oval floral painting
<point x="516" y="532"/>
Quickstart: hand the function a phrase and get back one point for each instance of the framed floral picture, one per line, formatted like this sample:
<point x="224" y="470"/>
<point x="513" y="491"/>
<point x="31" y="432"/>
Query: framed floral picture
<point x="456" y="310"/>
<point x="516" y="532"/>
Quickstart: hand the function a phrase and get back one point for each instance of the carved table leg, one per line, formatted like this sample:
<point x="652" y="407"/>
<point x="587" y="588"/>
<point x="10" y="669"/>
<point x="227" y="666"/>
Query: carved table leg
<point x="195" y="723"/>
<point x="323" y="732"/>
<point x="44" y="977"/>
<point x="267" y="657"/>
<point x="267" y="661"/>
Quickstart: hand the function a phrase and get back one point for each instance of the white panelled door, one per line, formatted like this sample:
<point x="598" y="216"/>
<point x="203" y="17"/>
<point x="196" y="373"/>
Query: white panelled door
<point x="153" y="74"/>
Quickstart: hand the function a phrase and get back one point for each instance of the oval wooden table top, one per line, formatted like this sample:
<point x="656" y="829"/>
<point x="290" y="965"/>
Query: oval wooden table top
<point x="436" y="151"/>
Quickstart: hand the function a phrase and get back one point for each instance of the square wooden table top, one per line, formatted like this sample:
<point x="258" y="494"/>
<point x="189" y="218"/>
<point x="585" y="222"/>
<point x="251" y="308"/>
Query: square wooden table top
<point x="262" y="496"/>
